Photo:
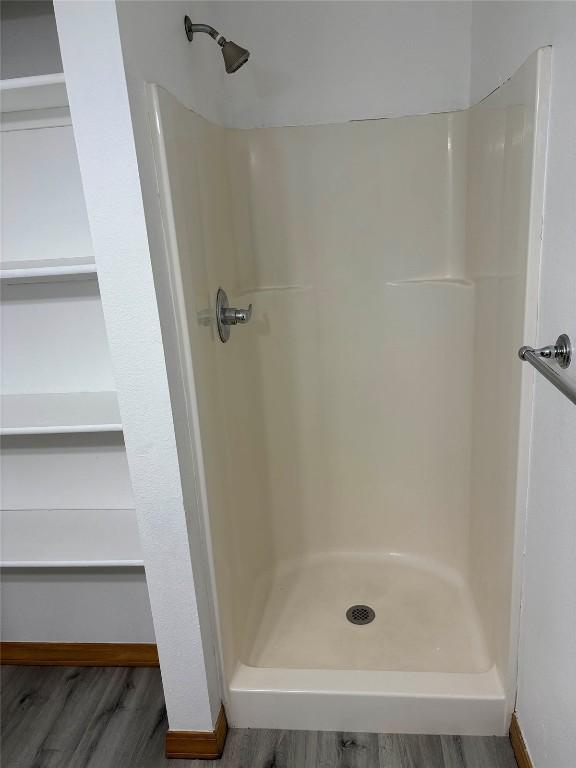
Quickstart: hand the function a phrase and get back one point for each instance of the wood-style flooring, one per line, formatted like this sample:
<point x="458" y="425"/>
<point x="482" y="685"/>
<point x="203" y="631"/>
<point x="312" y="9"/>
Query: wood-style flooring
<point x="94" y="717"/>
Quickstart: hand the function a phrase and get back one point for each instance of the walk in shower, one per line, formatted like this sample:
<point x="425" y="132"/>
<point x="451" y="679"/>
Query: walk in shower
<point x="363" y="433"/>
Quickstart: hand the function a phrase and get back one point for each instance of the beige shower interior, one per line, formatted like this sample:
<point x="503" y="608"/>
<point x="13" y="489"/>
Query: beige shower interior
<point x="360" y="435"/>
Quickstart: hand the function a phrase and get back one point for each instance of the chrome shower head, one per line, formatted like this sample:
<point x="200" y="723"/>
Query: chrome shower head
<point x="234" y="55"/>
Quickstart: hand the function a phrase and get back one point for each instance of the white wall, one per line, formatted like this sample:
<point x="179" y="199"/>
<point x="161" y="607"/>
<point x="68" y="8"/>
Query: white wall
<point x="503" y="35"/>
<point x="311" y="62"/>
<point x="29" y="40"/>
<point x="108" y="138"/>
<point x="79" y="605"/>
<point x="323" y="62"/>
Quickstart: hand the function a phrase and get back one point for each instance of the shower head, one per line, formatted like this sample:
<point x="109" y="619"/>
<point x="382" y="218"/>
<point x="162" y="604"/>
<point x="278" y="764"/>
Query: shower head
<point x="234" y="55"/>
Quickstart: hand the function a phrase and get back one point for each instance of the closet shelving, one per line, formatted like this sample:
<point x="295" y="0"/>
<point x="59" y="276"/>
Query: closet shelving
<point x="23" y="94"/>
<point x="59" y="413"/>
<point x="42" y="538"/>
<point x="46" y="240"/>
<point x="44" y="270"/>
<point x="39" y="101"/>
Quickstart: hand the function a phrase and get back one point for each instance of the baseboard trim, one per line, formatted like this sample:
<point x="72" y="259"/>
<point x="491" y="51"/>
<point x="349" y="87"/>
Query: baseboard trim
<point x="79" y="654"/>
<point x="198" y="745"/>
<point x="519" y="745"/>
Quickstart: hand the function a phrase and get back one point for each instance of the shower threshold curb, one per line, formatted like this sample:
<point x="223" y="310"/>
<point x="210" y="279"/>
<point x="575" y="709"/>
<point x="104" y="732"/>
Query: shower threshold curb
<point x="470" y="704"/>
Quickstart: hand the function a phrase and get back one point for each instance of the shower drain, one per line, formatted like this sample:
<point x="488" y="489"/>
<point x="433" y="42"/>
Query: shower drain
<point x="360" y="614"/>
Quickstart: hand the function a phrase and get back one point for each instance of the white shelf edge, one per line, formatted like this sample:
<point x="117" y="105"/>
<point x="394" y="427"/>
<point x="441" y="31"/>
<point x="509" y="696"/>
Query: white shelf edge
<point x="59" y="413"/>
<point x="71" y="563"/>
<point x="44" y="274"/>
<point x="45" y="510"/>
<point x="61" y="430"/>
<point x="35" y="119"/>
<point x="32" y="81"/>
<point x="20" y="94"/>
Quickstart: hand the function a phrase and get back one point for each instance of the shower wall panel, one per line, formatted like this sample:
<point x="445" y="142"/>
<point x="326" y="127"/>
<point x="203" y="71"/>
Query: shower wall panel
<point x="329" y="424"/>
<point x="198" y="227"/>
<point x="505" y="182"/>
<point x="351" y="246"/>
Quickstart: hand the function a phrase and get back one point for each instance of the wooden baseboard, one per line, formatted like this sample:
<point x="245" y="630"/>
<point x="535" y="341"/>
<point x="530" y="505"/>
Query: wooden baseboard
<point x="519" y="745"/>
<point x="80" y="654"/>
<point x="199" y="745"/>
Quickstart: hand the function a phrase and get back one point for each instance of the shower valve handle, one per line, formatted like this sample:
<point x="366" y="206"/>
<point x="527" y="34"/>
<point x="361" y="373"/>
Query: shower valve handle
<point x="233" y="316"/>
<point x="227" y="316"/>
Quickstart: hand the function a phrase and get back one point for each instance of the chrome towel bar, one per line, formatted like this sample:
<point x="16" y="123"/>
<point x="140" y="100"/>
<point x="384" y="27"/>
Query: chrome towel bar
<point x="561" y="352"/>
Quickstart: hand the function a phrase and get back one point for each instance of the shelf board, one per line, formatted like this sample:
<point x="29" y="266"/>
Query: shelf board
<point x="70" y="538"/>
<point x="59" y="413"/>
<point x="47" y="270"/>
<point x="71" y="563"/>
<point x="21" y="94"/>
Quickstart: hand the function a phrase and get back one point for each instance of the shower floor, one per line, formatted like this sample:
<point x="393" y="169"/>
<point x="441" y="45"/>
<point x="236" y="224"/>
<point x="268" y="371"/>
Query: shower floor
<point x="425" y="617"/>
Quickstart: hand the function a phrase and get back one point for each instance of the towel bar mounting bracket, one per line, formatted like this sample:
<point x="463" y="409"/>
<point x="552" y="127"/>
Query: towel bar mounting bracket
<point x="561" y="352"/>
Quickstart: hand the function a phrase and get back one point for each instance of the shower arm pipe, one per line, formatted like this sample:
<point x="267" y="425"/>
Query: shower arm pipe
<point x="207" y="29"/>
<point x="562" y="353"/>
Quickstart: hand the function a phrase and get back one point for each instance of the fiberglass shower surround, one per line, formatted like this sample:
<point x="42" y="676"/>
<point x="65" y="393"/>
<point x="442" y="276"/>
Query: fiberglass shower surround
<point x="352" y="462"/>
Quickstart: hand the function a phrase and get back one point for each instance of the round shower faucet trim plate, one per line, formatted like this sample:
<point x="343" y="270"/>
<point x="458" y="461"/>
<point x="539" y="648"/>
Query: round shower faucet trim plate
<point x="188" y="27"/>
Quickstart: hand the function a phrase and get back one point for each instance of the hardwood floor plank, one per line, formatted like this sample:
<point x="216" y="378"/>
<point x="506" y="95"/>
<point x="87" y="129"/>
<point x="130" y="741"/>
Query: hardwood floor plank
<point x="30" y="718"/>
<point x="89" y="717"/>
<point x="258" y="749"/>
<point x="303" y="748"/>
<point x="480" y="752"/>
<point x="98" y="722"/>
<point x="453" y="752"/>
<point x="344" y="750"/>
<point x="289" y="749"/>
<point x="86" y="687"/>
<point x="418" y="751"/>
<point x="137" y="727"/>
<point x="359" y="750"/>
<point x="11" y="681"/>
<point x="389" y="751"/>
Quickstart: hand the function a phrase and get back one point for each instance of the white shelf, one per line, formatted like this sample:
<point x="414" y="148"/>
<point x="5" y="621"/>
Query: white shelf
<point x="46" y="270"/>
<point x="59" y="413"/>
<point x="69" y="538"/>
<point x="21" y="94"/>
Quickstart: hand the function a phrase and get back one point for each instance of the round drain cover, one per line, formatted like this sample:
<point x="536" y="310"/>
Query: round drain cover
<point x="360" y="614"/>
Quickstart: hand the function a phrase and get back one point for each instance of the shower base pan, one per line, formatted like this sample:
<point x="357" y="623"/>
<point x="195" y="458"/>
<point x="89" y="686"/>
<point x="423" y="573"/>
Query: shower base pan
<point x="419" y="666"/>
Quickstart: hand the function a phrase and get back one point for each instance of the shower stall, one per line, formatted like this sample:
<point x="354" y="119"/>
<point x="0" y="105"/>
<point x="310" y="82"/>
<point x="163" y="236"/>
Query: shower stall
<point x="363" y="434"/>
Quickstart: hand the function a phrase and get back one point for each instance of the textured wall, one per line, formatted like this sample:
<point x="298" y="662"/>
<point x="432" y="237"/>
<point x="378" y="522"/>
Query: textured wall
<point x="108" y="137"/>
<point x="311" y="62"/>
<point x="503" y="35"/>
<point x="326" y="62"/>
<point x="29" y="40"/>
